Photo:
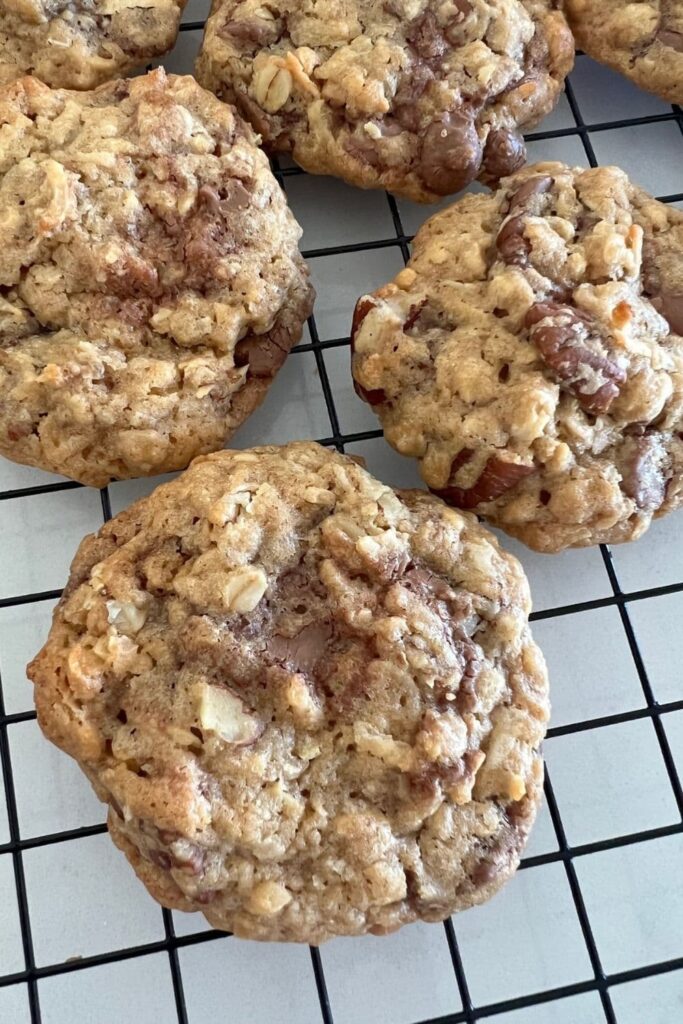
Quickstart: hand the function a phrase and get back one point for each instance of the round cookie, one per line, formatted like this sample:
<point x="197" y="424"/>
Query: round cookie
<point x="150" y="280"/>
<point x="530" y="356"/>
<point x="78" y="44"/>
<point x="642" y="39"/>
<point x="312" y="703"/>
<point x="416" y="96"/>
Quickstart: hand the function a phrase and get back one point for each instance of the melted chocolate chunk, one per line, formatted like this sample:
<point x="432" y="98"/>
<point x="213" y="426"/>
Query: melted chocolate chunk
<point x="451" y="153"/>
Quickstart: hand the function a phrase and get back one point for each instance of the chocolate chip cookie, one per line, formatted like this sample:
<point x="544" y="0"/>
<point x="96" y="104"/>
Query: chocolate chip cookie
<point x="642" y="39"/>
<point x="78" y="44"/>
<point x="312" y="703"/>
<point x="150" y="280"/>
<point x="416" y="96"/>
<point x="531" y="356"/>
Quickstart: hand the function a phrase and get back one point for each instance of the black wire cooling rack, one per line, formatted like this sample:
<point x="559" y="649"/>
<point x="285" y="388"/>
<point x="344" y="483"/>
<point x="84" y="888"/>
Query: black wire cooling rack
<point x="601" y="982"/>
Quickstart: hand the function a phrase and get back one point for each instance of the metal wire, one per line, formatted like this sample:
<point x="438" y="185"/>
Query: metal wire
<point x="566" y="854"/>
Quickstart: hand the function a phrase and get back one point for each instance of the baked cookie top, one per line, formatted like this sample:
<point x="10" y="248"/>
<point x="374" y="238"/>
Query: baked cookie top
<point x="530" y="356"/>
<point x="150" y="280"/>
<point x="642" y="39"/>
<point x="416" y="96"/>
<point x="312" y="703"/>
<point x="78" y="44"/>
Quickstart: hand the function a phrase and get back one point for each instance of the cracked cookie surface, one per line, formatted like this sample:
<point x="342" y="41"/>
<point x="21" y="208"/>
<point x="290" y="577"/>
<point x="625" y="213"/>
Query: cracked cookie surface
<point x="312" y="703"/>
<point x="416" y="96"/>
<point x="530" y="356"/>
<point x="150" y="280"/>
<point x="643" y="40"/>
<point x="79" y="44"/>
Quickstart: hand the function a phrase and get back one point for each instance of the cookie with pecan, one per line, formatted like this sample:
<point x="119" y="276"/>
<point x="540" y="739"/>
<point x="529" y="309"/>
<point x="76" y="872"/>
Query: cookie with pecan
<point x="531" y="356"/>
<point x="642" y="40"/>
<point x="79" y="44"/>
<point x="150" y="280"/>
<point x="416" y="96"/>
<point x="312" y="703"/>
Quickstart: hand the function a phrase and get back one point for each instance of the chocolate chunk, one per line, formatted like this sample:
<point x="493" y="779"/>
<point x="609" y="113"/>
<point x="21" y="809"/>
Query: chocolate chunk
<point x="674" y="40"/>
<point x="412" y="85"/>
<point x="536" y="186"/>
<point x="504" y="153"/>
<point x="232" y="197"/>
<point x="265" y="353"/>
<point x="570" y="345"/>
<point x="426" y="38"/>
<point x="670" y="306"/>
<point x="258" y="32"/>
<point x="643" y="476"/>
<point x="161" y="859"/>
<point x="497" y="477"/>
<point x="451" y="153"/>
<point x="362" y="147"/>
<point x="301" y="653"/>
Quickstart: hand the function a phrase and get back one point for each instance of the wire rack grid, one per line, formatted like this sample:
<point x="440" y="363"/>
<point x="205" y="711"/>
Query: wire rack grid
<point x="590" y="930"/>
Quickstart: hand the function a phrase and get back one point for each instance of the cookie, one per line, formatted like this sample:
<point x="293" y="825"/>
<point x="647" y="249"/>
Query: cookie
<point x="150" y="280"/>
<point x="642" y="40"/>
<point x="416" y="96"/>
<point x="79" y="44"/>
<point x="530" y="356"/>
<point x="312" y="703"/>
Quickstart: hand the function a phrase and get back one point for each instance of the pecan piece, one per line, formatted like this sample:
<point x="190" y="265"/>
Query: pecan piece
<point x="497" y="477"/>
<point x="511" y="244"/>
<point x="363" y="307"/>
<point x="571" y="346"/>
<point x="643" y="476"/>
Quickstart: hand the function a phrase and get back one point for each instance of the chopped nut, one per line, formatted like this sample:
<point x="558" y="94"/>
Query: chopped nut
<point x="319" y="496"/>
<point x="516" y="787"/>
<point x="244" y="588"/>
<point x="268" y="898"/>
<point x="228" y="507"/>
<point x="222" y="713"/>
<point x="387" y="882"/>
<point x="272" y="85"/>
<point x="394" y="753"/>
<point x="125" y="616"/>
<point x="305" y="707"/>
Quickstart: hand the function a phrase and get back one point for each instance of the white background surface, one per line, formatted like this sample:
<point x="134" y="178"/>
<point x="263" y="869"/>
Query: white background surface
<point x="532" y="943"/>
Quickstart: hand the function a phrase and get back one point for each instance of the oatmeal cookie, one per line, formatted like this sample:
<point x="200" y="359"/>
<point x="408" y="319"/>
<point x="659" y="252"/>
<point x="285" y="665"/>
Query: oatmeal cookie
<point x="530" y="356"/>
<point x="416" y="96"/>
<point x="312" y="703"/>
<point x="642" y="39"/>
<point x="78" y="44"/>
<point x="150" y="280"/>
